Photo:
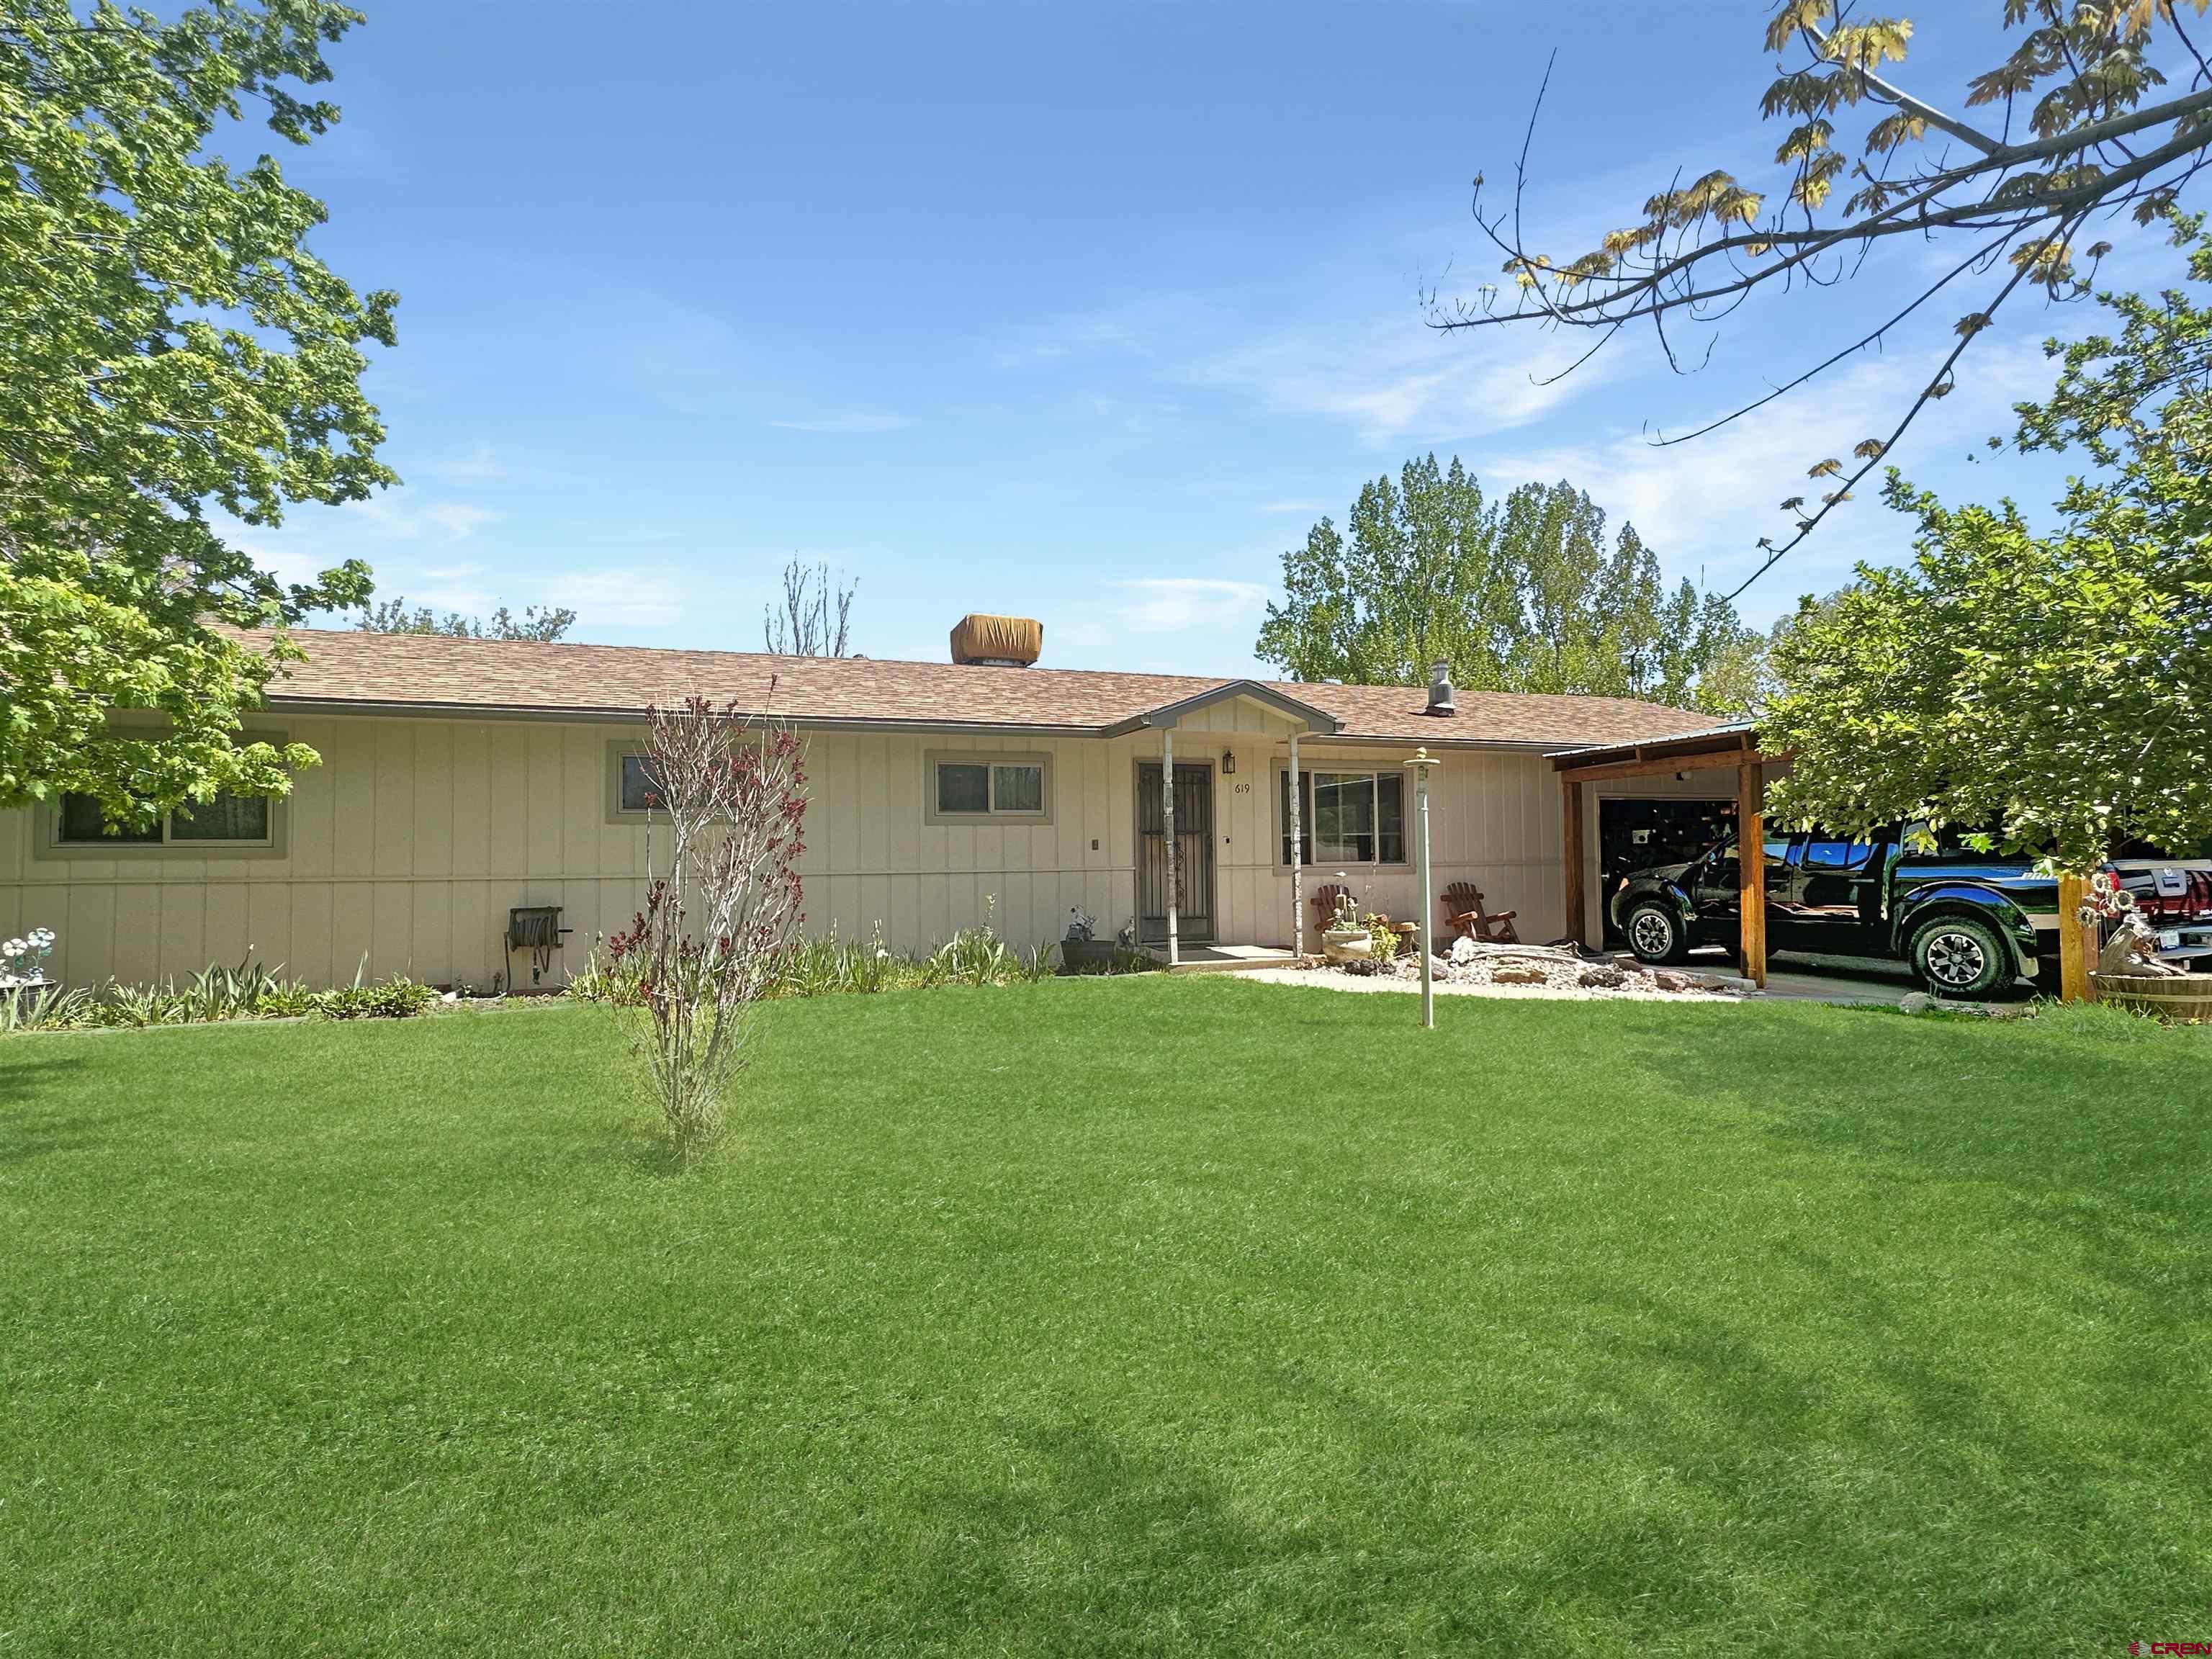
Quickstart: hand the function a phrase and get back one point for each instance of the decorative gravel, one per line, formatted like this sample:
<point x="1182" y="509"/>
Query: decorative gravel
<point x="1508" y="971"/>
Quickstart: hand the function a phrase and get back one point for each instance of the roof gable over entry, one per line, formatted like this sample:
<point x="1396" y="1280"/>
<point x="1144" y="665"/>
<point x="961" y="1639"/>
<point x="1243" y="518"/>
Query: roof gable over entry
<point x="1275" y="701"/>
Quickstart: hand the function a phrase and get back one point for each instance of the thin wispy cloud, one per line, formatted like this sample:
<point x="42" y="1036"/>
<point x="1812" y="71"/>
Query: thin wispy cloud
<point x="1703" y="504"/>
<point x="395" y="516"/>
<point x="1176" y="604"/>
<point x="478" y="465"/>
<point x="1124" y="332"/>
<point x="1396" y="381"/>
<point x="616" y="598"/>
<point x="458" y="520"/>
<point x="1286" y="508"/>
<point x="848" y="421"/>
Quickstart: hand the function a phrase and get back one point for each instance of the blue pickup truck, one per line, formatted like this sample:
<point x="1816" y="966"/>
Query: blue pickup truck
<point x="1969" y="923"/>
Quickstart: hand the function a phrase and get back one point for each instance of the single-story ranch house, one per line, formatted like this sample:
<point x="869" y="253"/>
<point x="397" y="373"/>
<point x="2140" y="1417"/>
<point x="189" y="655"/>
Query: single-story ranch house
<point x="463" y="778"/>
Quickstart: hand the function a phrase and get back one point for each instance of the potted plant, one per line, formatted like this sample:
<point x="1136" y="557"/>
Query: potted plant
<point x="1082" y="951"/>
<point x="23" y="964"/>
<point x="1347" y="939"/>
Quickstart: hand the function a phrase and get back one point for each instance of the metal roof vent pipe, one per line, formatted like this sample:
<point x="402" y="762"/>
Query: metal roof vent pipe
<point x="1440" y="690"/>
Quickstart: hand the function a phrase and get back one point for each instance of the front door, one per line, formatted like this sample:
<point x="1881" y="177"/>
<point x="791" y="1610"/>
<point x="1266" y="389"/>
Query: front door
<point x="1193" y="855"/>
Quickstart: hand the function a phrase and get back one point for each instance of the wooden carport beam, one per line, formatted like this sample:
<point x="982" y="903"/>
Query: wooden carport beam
<point x="1751" y="866"/>
<point x="1651" y="766"/>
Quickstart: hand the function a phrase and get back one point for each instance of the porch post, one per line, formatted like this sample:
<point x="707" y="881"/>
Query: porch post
<point x="1167" y="824"/>
<point x="1298" y="858"/>
<point x="1751" y="868"/>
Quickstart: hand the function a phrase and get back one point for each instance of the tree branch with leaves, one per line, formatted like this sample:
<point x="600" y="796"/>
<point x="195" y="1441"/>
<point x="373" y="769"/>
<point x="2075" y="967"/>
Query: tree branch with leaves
<point x="2072" y="134"/>
<point x="169" y="345"/>
<point x="2053" y="691"/>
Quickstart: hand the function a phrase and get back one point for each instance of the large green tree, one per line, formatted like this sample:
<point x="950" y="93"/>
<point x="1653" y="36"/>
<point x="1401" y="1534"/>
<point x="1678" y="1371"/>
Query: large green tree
<point x="169" y="346"/>
<point x="1525" y="594"/>
<point x="2053" y="691"/>
<point x="541" y="624"/>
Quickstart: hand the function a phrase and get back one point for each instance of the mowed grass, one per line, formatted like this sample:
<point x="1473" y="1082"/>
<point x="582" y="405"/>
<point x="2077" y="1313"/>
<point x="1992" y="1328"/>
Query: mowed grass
<point x="1111" y="1317"/>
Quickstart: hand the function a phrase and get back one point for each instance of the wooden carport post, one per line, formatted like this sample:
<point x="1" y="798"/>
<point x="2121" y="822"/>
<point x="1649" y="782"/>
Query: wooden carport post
<point x="1750" y="867"/>
<point x="2073" y="946"/>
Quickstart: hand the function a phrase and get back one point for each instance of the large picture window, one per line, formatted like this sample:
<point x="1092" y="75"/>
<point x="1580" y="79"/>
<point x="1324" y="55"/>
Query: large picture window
<point x="1345" y="817"/>
<point x="228" y="820"/>
<point x="987" y="788"/>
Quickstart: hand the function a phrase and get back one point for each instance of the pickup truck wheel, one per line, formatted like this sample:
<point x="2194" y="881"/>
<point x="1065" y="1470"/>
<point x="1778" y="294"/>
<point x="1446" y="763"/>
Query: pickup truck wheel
<point x="1959" y="957"/>
<point x="1655" y="933"/>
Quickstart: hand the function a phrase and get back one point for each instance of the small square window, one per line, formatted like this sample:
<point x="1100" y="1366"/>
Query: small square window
<point x="1018" y="789"/>
<point x="963" y="788"/>
<point x="637" y="791"/>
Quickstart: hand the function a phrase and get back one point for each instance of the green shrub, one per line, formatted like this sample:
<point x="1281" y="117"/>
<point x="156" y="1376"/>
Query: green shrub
<point x="248" y="991"/>
<point x="49" y="1008"/>
<point x="838" y="967"/>
<point x="394" y="998"/>
<point x="606" y="978"/>
<point x="1385" y="937"/>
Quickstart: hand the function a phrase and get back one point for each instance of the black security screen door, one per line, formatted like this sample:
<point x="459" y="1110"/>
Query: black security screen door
<point x="1193" y="855"/>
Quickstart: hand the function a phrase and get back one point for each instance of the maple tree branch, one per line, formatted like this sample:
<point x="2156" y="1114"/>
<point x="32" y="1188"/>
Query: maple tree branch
<point x="1905" y="101"/>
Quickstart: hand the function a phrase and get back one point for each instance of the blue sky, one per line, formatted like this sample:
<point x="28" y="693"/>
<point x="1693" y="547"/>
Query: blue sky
<point x="1079" y="312"/>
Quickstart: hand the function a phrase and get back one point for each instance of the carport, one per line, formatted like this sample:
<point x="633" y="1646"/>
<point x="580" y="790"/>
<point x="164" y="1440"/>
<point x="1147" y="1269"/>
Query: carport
<point x="1734" y="747"/>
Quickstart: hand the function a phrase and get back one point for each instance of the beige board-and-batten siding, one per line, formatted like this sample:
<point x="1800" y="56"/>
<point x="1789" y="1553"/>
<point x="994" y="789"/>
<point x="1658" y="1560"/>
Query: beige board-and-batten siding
<point x="406" y="848"/>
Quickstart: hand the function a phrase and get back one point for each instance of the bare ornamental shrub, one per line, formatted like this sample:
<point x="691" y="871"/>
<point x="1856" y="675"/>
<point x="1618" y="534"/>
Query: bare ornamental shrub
<point x="728" y="794"/>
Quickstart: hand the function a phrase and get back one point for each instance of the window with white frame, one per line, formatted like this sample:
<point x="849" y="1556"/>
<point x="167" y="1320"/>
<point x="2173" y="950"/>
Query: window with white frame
<point x="228" y="820"/>
<point x="985" y="788"/>
<point x="1344" y="818"/>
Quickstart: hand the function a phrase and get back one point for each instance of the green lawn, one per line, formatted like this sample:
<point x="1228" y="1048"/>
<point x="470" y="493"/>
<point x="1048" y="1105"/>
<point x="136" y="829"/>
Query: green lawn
<point x="1135" y="1316"/>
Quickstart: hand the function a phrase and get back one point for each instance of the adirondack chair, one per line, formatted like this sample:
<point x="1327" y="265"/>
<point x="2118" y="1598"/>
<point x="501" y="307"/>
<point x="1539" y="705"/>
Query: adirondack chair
<point x="1324" y="906"/>
<point x="1464" y="915"/>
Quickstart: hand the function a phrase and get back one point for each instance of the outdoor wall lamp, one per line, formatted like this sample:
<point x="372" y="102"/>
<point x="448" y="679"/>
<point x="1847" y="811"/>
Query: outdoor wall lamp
<point x="1228" y="762"/>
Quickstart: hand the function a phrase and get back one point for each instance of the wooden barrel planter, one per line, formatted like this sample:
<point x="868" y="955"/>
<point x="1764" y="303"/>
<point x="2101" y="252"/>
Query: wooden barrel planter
<point x="2179" y="997"/>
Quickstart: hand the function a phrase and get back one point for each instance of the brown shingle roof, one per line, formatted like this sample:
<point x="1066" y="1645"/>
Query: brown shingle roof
<point x="427" y="671"/>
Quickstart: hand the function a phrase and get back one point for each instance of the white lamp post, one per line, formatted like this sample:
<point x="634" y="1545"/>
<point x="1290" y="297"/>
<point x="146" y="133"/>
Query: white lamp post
<point x="1419" y="766"/>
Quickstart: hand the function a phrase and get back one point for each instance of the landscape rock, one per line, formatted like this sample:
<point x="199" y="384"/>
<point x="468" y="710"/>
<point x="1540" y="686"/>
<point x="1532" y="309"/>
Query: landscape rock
<point x="1666" y="979"/>
<point x="1603" y="977"/>
<point x="1919" y="1003"/>
<point x="1463" y="950"/>
<point x="1518" y="974"/>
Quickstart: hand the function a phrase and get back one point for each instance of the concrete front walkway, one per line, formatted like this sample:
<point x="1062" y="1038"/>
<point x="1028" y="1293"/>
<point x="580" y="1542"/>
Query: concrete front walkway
<point x="1797" y="977"/>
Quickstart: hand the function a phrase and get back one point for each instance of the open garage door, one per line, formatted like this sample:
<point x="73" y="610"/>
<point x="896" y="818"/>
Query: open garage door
<point x="1637" y="834"/>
